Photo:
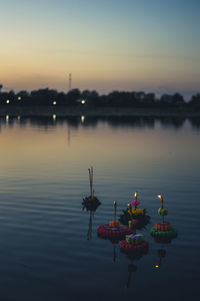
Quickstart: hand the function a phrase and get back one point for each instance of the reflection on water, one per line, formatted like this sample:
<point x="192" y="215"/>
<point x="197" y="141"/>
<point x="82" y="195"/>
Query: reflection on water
<point x="49" y="245"/>
<point x="140" y="122"/>
<point x="161" y="254"/>
<point x="89" y="233"/>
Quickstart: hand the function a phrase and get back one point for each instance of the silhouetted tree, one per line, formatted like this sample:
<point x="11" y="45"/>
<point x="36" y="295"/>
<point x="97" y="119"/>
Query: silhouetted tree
<point x="149" y="99"/>
<point x="177" y="99"/>
<point x="195" y="101"/>
<point x="166" y="99"/>
<point x="73" y="96"/>
<point x="43" y="96"/>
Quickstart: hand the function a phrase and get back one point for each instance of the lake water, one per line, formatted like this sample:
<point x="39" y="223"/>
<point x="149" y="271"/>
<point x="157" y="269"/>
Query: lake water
<point x="49" y="246"/>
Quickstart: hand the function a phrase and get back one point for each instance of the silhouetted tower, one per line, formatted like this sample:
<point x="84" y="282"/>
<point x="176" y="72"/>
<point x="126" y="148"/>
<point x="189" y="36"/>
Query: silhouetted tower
<point x="70" y="81"/>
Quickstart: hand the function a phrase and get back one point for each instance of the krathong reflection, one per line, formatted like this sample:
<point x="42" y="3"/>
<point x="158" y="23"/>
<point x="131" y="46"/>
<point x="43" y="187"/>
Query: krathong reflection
<point x="89" y="233"/>
<point x="161" y="254"/>
<point x="91" y="217"/>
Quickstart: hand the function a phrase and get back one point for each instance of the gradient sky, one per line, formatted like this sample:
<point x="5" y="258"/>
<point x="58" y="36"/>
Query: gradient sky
<point x="150" y="45"/>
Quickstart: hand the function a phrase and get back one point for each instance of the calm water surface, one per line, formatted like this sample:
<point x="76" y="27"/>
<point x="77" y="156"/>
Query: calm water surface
<point x="48" y="245"/>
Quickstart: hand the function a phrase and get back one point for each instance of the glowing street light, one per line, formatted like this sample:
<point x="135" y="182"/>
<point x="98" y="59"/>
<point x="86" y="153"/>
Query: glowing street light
<point x="8" y="101"/>
<point x="54" y="103"/>
<point x="83" y="102"/>
<point x="54" y="116"/>
<point x="19" y="98"/>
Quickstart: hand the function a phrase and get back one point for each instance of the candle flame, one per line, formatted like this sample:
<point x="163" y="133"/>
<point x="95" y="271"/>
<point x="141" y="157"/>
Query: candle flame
<point x="160" y="197"/>
<point x="136" y="194"/>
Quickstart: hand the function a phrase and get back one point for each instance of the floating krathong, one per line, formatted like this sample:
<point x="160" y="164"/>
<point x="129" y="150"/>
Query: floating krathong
<point x="134" y="243"/>
<point x="91" y="202"/>
<point x="163" y="231"/>
<point x="134" y="213"/>
<point x="114" y="229"/>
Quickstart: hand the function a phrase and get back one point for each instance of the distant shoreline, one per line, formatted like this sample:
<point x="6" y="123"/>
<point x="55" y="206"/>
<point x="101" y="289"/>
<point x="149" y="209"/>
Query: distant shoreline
<point x="63" y="111"/>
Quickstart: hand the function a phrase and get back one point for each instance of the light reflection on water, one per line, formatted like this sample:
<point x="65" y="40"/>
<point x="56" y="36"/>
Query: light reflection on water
<point x="49" y="247"/>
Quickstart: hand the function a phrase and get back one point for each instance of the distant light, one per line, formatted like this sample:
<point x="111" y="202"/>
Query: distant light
<point x="54" y="103"/>
<point x="18" y="117"/>
<point x="19" y="98"/>
<point x="7" y="117"/>
<point x="82" y="119"/>
<point x="7" y="101"/>
<point x="83" y="102"/>
<point x="156" y="266"/>
<point x="54" y="116"/>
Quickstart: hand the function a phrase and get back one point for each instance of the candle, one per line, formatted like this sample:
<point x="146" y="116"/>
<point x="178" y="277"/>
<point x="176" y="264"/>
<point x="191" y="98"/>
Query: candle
<point x="161" y="198"/>
<point x="136" y="194"/>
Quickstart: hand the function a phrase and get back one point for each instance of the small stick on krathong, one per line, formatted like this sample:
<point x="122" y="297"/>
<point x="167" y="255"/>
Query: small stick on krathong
<point x="130" y="209"/>
<point x="115" y="210"/>
<point x="91" y="181"/>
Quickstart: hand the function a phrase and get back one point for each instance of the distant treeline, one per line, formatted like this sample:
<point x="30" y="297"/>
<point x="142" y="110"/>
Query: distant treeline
<point x="75" y="97"/>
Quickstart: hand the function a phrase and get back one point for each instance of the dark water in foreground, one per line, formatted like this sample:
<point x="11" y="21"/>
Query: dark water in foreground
<point x="48" y="245"/>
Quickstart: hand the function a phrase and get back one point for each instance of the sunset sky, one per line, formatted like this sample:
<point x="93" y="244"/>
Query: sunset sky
<point x="149" y="45"/>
